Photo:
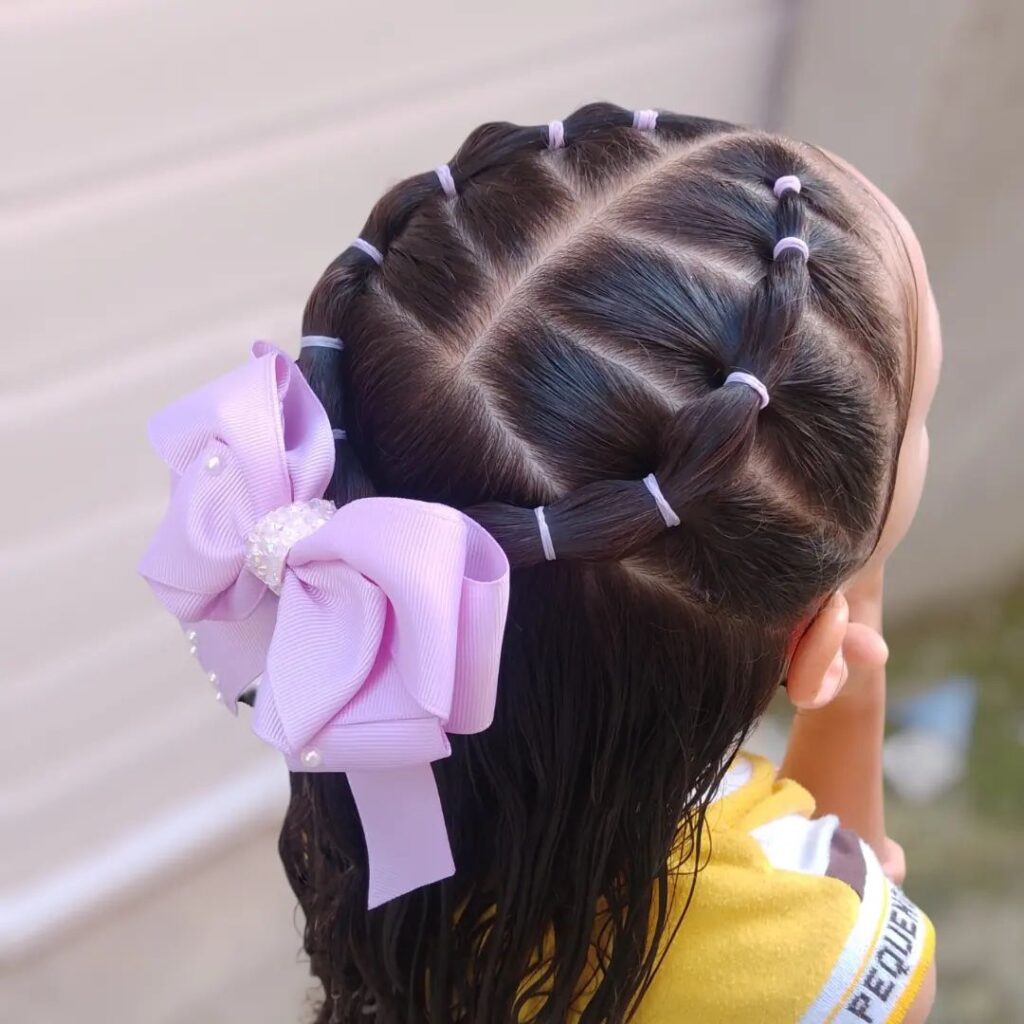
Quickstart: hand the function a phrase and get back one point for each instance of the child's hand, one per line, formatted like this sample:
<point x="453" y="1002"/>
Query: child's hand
<point x="864" y="649"/>
<point x="865" y="593"/>
<point x="864" y="654"/>
<point x="842" y="655"/>
<point x="893" y="861"/>
<point x="837" y="683"/>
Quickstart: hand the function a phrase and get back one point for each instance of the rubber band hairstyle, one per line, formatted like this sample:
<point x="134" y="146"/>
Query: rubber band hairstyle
<point x="654" y="356"/>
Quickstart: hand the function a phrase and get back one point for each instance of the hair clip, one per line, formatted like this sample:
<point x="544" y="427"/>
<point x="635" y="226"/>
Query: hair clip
<point x="251" y="457"/>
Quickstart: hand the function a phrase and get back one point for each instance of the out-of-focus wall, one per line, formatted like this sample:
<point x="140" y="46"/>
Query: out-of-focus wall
<point x="927" y="98"/>
<point x="174" y="178"/>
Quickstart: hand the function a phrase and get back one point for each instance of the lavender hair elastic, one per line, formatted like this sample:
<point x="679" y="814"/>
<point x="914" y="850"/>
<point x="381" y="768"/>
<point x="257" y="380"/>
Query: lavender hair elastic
<point x="787" y="183"/>
<point x="645" y="120"/>
<point x="750" y="381"/>
<point x="444" y="176"/>
<point x="556" y="135"/>
<point x="666" y="510"/>
<point x="321" y="341"/>
<point x="790" y="242"/>
<point x="545" y="533"/>
<point x="370" y="249"/>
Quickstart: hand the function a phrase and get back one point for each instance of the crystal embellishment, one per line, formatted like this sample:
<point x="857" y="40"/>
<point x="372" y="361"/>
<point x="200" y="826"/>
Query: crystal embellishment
<point x="270" y="540"/>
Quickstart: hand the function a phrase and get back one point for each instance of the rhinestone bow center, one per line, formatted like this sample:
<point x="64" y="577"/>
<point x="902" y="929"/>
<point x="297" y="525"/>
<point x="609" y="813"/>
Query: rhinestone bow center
<point x="270" y="540"/>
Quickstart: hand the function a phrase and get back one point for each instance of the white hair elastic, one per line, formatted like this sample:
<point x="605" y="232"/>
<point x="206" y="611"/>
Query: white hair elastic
<point x="666" y="510"/>
<point x="339" y="434"/>
<point x="545" y="534"/>
<point x="321" y="341"/>
<point x="750" y="381"/>
<point x="370" y="249"/>
<point x="556" y="135"/>
<point x="787" y="183"/>
<point x="790" y="242"/>
<point x="444" y="176"/>
<point x="645" y="120"/>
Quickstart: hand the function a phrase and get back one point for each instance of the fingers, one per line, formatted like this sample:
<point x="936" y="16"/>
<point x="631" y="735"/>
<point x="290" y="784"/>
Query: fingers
<point x="864" y="647"/>
<point x="893" y="861"/>
<point x="835" y="679"/>
<point x="817" y="669"/>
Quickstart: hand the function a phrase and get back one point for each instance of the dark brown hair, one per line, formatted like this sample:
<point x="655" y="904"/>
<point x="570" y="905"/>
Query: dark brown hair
<point x="559" y="329"/>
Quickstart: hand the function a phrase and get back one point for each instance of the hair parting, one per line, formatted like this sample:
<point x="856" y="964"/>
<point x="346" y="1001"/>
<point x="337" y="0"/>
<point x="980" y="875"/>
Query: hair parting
<point x="571" y="333"/>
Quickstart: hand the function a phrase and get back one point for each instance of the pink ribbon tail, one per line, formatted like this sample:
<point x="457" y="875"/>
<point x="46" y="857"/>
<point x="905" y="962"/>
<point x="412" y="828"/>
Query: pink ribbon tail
<point x="406" y="839"/>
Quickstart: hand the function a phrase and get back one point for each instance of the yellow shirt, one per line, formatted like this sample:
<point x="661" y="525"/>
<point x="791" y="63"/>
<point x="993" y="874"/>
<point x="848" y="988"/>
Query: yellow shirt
<point x="792" y="920"/>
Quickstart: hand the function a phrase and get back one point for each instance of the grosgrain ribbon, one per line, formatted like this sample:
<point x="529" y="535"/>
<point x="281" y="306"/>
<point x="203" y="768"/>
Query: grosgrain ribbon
<point x="387" y="633"/>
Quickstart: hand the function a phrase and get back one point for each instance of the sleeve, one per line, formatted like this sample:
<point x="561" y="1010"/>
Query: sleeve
<point x="891" y="942"/>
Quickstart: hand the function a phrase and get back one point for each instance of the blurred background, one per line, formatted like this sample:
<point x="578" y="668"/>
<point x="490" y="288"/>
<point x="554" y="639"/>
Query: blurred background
<point x="174" y="176"/>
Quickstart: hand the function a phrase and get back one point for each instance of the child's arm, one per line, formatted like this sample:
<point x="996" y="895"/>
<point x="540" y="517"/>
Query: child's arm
<point x="835" y="752"/>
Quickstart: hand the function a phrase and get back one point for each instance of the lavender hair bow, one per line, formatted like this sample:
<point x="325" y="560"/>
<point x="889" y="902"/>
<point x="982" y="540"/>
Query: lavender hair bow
<point x="373" y="631"/>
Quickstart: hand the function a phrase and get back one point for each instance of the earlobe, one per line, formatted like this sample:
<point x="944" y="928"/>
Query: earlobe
<point x="818" y="667"/>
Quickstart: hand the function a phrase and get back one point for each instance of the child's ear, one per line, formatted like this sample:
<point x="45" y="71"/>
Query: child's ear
<point x="818" y="668"/>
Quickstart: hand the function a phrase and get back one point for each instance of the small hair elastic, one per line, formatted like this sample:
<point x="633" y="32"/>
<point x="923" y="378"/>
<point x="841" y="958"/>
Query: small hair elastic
<point x="556" y="135"/>
<point x="370" y="249"/>
<point x="666" y="510"/>
<point x="750" y="381"/>
<point x="545" y="534"/>
<point x="339" y="434"/>
<point x="645" y="120"/>
<point x="320" y="341"/>
<point x="444" y="176"/>
<point x="787" y="183"/>
<point x="790" y="242"/>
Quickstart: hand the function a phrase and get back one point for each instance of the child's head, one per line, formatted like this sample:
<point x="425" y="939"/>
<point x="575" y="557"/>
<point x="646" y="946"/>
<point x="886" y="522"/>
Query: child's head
<point x="548" y="326"/>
